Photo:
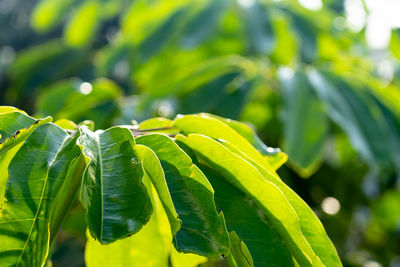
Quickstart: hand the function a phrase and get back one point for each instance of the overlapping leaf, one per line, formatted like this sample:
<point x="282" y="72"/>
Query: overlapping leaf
<point x="36" y="174"/>
<point x="112" y="191"/>
<point x="272" y="201"/>
<point x="305" y="124"/>
<point x="203" y="229"/>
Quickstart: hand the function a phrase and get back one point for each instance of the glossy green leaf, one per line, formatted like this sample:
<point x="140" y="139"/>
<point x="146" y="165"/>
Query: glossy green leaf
<point x="269" y="196"/>
<point x="8" y="109"/>
<point x="203" y="230"/>
<point x="214" y="128"/>
<point x="356" y="113"/>
<point x="305" y="124"/>
<point x="149" y="247"/>
<point x="162" y="125"/>
<point x="112" y="191"/>
<point x="30" y="193"/>
<point x="15" y="128"/>
<point x="310" y="225"/>
<point x="152" y="167"/>
<point x="66" y="124"/>
<point x="275" y="157"/>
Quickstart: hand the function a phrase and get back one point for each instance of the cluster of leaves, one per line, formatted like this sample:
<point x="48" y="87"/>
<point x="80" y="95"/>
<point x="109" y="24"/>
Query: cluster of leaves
<point x="167" y="42"/>
<point x="308" y="85"/>
<point x="210" y="179"/>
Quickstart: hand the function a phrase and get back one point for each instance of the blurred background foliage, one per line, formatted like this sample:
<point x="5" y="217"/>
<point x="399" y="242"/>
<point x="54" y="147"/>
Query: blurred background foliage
<point x="318" y="78"/>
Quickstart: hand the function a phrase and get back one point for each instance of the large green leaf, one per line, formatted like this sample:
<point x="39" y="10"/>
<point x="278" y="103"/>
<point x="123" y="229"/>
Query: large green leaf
<point x="36" y="174"/>
<point x="152" y="167"/>
<point x="275" y="157"/>
<point x="112" y="191"/>
<point x="149" y="247"/>
<point x="10" y="122"/>
<point x="203" y="230"/>
<point x="269" y="196"/>
<point x="356" y="113"/>
<point x="214" y="128"/>
<point x="305" y="124"/>
<point x="15" y="127"/>
<point x="311" y="227"/>
<point x="242" y="216"/>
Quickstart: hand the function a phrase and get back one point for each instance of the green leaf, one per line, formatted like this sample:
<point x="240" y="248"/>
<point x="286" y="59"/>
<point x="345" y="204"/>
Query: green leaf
<point x="12" y="121"/>
<point x="259" y="27"/>
<point x="159" y="124"/>
<point x="48" y="13"/>
<point x="395" y="43"/>
<point x="66" y="194"/>
<point x="66" y="124"/>
<point x="305" y="124"/>
<point x="286" y="43"/>
<point x="310" y="225"/>
<point x="21" y="126"/>
<point x="35" y="67"/>
<point x="214" y="128"/>
<point x="199" y="99"/>
<point x="202" y="24"/>
<point x="83" y="25"/>
<point x="275" y="157"/>
<point x="112" y="191"/>
<point x="269" y="196"/>
<point x="356" y="113"/>
<point x="157" y="40"/>
<point x="149" y="247"/>
<point x="30" y="192"/>
<point x="307" y="34"/>
<point x="152" y="167"/>
<point x="243" y="216"/>
<point x="203" y="230"/>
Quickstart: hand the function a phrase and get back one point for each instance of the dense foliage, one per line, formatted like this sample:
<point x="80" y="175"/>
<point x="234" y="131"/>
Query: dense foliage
<point x="210" y="179"/>
<point x="304" y="79"/>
